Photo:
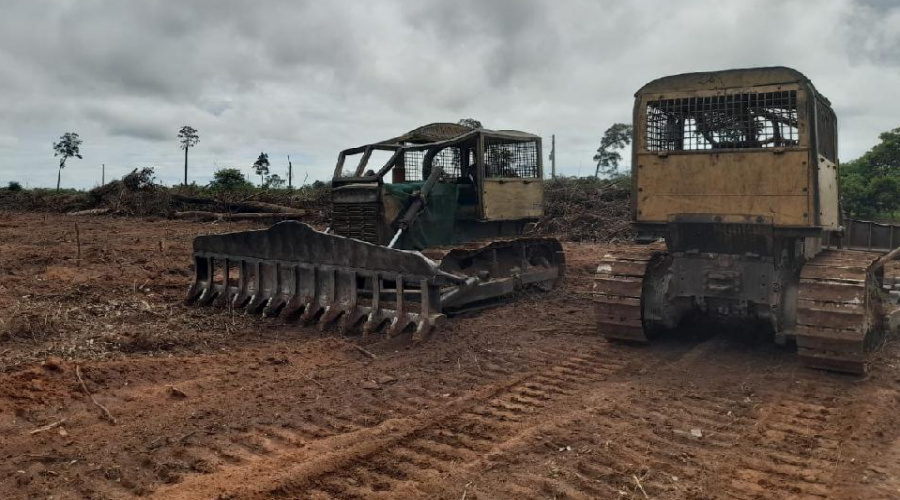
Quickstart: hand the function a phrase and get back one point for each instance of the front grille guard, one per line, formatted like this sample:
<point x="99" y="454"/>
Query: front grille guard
<point x="295" y="272"/>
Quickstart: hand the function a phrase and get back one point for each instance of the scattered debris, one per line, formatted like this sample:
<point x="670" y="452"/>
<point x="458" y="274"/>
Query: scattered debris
<point x="53" y="363"/>
<point x="639" y="485"/>
<point x="587" y="209"/>
<point x="106" y="414"/>
<point x="48" y="427"/>
<point x="90" y="211"/>
<point x="360" y="349"/>
<point x="697" y="433"/>
<point x="307" y="377"/>
<point x="176" y="392"/>
<point x="370" y="385"/>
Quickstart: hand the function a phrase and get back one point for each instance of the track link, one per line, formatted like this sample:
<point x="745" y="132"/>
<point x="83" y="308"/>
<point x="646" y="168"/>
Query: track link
<point x="618" y="286"/>
<point x="838" y="311"/>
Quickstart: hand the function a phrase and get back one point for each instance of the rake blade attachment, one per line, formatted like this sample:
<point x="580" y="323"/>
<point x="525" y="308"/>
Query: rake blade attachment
<point x="294" y="271"/>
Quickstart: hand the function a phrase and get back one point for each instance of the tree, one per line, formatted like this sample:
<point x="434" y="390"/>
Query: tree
<point x="470" y="122"/>
<point x="188" y="138"/>
<point x="608" y="157"/>
<point x="275" y="181"/>
<point x="870" y="184"/>
<point x="261" y="165"/>
<point x="69" y="146"/>
<point x="229" y="179"/>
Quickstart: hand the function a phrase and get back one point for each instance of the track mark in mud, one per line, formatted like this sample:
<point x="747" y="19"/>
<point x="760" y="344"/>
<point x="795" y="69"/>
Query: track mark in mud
<point x="446" y="436"/>
<point x="613" y="449"/>
<point x="795" y="453"/>
<point x="436" y="450"/>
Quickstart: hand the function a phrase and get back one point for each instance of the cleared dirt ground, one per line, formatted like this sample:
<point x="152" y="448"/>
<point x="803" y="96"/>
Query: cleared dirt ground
<point x="521" y="401"/>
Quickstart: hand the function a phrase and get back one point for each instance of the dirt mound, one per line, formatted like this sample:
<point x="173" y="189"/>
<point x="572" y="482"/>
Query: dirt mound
<point x="134" y="194"/>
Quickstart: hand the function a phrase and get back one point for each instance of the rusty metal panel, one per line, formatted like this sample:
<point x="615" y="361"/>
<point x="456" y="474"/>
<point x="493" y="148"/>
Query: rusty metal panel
<point x="849" y="320"/>
<point x="623" y="287"/>
<point x="868" y="235"/>
<point x="831" y="292"/>
<point x="508" y="199"/>
<point x="725" y="277"/>
<point x="829" y="215"/>
<point x="759" y="183"/>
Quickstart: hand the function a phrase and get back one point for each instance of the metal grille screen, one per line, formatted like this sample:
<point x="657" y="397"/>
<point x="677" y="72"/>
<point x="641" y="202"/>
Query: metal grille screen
<point x="510" y="159"/>
<point x="412" y="163"/>
<point x="732" y="121"/>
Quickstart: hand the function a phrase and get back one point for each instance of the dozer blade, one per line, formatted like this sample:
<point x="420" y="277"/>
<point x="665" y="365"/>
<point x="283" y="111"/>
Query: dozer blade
<point x="292" y="270"/>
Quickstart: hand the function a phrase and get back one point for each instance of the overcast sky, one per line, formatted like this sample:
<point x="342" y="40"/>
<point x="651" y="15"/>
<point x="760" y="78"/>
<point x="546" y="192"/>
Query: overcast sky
<point x="311" y="78"/>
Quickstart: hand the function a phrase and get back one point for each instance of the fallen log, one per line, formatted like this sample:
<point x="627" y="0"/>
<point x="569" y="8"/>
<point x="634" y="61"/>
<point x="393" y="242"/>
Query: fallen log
<point x="239" y="206"/>
<point x="199" y="215"/>
<point x="259" y="206"/>
<point x="92" y="211"/>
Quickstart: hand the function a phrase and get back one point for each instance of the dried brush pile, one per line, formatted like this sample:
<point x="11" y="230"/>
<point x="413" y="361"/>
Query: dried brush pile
<point x="138" y="194"/>
<point x="134" y="194"/>
<point x="587" y="209"/>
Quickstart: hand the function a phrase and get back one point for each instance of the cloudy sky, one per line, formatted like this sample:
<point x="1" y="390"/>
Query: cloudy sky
<point x="308" y="78"/>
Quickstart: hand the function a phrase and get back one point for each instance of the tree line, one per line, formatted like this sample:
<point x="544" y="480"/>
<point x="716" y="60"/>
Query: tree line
<point x="69" y="146"/>
<point x="870" y="184"/>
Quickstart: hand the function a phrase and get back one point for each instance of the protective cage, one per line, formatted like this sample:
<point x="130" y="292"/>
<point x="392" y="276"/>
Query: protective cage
<point x="745" y="120"/>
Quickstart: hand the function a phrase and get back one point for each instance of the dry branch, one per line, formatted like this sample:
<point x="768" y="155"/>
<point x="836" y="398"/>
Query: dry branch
<point x="307" y="377"/>
<point x="48" y="427"/>
<point x="106" y="414"/>
<point x="360" y="349"/>
<point x="199" y="215"/>
<point x="92" y="211"/>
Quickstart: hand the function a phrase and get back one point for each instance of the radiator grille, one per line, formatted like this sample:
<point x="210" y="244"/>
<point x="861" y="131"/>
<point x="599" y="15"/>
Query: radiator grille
<point x="356" y="220"/>
<point x="720" y="237"/>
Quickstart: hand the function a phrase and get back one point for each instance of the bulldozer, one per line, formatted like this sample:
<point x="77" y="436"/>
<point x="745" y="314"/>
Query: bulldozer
<point x="737" y="214"/>
<point x="437" y="230"/>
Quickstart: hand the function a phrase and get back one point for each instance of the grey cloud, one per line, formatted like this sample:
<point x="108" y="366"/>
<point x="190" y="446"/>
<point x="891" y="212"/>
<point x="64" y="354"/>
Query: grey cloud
<point x="309" y="78"/>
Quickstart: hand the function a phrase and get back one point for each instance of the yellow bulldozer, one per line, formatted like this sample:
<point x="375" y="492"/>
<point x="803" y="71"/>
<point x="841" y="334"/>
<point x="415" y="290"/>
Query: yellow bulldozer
<point x="436" y="230"/>
<point x="736" y="206"/>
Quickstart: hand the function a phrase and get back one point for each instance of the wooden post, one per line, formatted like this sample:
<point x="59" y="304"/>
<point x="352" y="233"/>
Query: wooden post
<point x="103" y="175"/>
<point x="553" y="156"/>
<point x="290" y="173"/>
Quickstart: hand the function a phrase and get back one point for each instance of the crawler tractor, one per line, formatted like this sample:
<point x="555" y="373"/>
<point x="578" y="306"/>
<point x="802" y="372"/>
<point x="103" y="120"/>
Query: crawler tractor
<point x="737" y="172"/>
<point x="433" y="231"/>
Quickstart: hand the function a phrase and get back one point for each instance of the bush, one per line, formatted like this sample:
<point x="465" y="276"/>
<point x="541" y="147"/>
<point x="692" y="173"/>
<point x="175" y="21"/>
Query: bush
<point x="228" y="180"/>
<point x="14" y="186"/>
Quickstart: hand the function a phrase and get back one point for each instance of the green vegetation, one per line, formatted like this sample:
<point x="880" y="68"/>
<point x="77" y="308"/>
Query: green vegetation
<point x="616" y="137"/>
<point x="69" y="146"/>
<point x="229" y="179"/>
<point x="870" y="184"/>
<point x="14" y="186"/>
<point x="187" y="138"/>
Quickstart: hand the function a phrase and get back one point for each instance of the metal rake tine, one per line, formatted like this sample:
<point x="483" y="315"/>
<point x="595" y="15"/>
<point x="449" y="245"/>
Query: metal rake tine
<point x="275" y="306"/>
<point x="398" y="324"/>
<point x="257" y="303"/>
<point x="311" y="311"/>
<point x="331" y="314"/>
<point x="208" y="296"/>
<point x="351" y="320"/>
<point x="373" y="323"/>
<point x="293" y="308"/>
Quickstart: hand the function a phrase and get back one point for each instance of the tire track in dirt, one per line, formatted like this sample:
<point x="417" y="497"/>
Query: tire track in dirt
<point x="375" y="461"/>
<point x="787" y="442"/>
<point x="438" y="449"/>
<point x="622" y="441"/>
<point x="797" y="450"/>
